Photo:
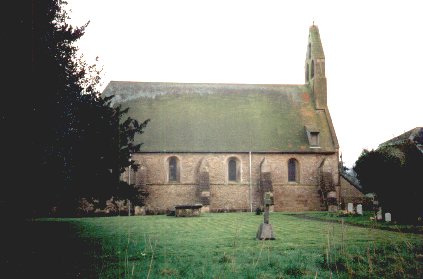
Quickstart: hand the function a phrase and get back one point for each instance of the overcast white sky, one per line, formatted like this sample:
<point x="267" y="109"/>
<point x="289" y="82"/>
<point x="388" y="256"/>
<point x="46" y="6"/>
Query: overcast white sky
<point x="373" y="49"/>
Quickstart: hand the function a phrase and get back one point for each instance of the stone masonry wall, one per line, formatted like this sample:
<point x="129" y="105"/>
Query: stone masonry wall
<point x="296" y="198"/>
<point x="165" y="197"/>
<point x="230" y="197"/>
<point x="227" y="195"/>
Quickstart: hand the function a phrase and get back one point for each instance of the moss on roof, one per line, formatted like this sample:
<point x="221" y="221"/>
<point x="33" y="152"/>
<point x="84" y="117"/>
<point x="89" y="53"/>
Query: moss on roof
<point x="223" y="117"/>
<point x="415" y="135"/>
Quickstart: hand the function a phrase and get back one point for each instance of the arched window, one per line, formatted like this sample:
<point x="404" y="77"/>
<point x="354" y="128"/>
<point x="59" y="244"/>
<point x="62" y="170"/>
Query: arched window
<point x="232" y="170"/>
<point x="309" y="51"/>
<point x="293" y="170"/>
<point x="312" y="68"/>
<point x="173" y="169"/>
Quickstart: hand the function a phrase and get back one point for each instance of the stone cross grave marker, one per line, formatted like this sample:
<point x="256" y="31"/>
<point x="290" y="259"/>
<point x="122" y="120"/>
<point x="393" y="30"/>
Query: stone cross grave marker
<point x="387" y="217"/>
<point x="350" y="207"/>
<point x="267" y="202"/>
<point x="265" y="231"/>
<point x="359" y="209"/>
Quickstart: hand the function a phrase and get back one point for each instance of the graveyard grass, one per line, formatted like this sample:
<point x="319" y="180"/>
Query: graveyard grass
<point x="361" y="220"/>
<point x="218" y="245"/>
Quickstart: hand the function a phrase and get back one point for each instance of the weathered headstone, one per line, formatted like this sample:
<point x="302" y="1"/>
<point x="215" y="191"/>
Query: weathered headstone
<point x="350" y="208"/>
<point x="265" y="231"/>
<point x="379" y="214"/>
<point x="359" y="209"/>
<point x="387" y="217"/>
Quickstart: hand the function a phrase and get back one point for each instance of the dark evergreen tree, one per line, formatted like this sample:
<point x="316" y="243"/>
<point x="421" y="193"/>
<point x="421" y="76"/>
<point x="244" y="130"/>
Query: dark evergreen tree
<point x="70" y="143"/>
<point x="394" y="174"/>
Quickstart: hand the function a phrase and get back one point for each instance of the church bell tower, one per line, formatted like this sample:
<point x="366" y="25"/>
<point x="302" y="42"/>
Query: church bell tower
<point x="315" y="68"/>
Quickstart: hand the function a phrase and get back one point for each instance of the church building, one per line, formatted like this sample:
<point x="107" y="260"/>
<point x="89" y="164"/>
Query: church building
<point x="224" y="145"/>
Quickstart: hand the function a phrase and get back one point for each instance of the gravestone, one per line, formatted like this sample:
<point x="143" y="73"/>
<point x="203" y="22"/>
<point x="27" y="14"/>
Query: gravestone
<point x="379" y="214"/>
<point x="350" y="208"/>
<point x="359" y="209"/>
<point x="387" y="217"/>
<point x="265" y="231"/>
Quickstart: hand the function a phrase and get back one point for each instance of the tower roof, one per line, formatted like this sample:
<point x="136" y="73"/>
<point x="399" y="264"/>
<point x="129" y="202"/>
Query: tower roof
<point x="316" y="44"/>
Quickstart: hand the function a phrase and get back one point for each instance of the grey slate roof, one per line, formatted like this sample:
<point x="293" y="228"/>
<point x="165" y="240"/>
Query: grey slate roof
<point x="190" y="117"/>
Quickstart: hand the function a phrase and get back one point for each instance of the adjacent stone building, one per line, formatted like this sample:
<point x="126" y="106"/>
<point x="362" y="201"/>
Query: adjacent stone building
<point x="413" y="136"/>
<point x="350" y="190"/>
<point x="224" y="145"/>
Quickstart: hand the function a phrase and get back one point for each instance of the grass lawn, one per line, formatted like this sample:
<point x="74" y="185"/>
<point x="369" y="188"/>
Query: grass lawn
<point x="361" y="220"/>
<point x="218" y="245"/>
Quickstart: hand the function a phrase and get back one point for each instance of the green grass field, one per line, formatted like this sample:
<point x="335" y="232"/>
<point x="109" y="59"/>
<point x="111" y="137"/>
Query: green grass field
<point x="362" y="220"/>
<point x="219" y="245"/>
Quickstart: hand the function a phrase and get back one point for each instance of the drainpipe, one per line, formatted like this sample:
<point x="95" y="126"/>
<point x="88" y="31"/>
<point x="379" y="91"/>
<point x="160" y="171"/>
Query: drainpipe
<point x="251" y="191"/>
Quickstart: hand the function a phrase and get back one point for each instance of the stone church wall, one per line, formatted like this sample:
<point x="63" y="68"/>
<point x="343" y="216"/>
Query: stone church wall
<point x="228" y="195"/>
<point x="296" y="198"/>
<point x="164" y="197"/>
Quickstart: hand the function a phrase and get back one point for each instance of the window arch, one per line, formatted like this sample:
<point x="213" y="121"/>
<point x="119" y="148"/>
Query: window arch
<point x="293" y="170"/>
<point x="309" y="51"/>
<point x="233" y="169"/>
<point x="312" y="69"/>
<point x="307" y="74"/>
<point x="173" y="169"/>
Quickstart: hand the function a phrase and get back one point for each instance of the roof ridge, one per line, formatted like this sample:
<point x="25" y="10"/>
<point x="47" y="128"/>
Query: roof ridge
<point x="207" y="83"/>
<point x="408" y="135"/>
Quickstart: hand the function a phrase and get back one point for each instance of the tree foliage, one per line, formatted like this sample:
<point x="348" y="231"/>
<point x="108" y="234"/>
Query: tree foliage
<point x="394" y="174"/>
<point x="76" y="145"/>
